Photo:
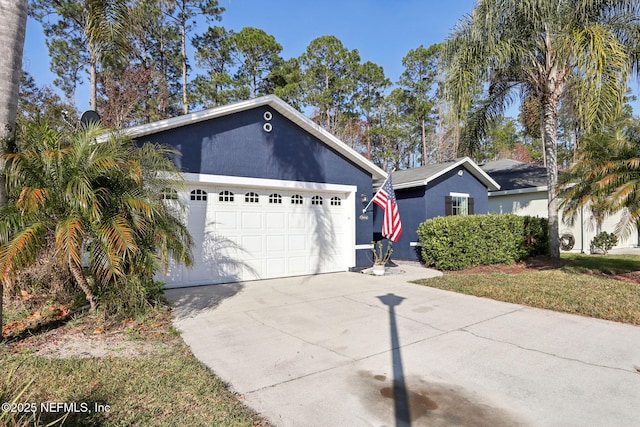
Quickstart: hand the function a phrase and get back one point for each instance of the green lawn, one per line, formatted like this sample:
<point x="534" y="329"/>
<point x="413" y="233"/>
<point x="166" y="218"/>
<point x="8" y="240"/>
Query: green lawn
<point x="171" y="389"/>
<point x="579" y="286"/>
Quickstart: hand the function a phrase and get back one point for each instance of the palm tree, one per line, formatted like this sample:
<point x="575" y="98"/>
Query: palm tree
<point x="606" y="175"/>
<point x="98" y="204"/>
<point x="13" y="24"/>
<point x="544" y="49"/>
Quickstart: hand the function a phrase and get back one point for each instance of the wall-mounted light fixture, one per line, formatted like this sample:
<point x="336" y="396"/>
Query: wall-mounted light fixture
<point x="364" y="199"/>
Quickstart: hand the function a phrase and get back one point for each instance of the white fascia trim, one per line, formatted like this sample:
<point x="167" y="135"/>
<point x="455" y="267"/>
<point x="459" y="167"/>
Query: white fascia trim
<point x="406" y="185"/>
<point x="365" y="246"/>
<point x="241" y="181"/>
<point x="469" y="165"/>
<point x="473" y="168"/>
<point x="518" y="191"/>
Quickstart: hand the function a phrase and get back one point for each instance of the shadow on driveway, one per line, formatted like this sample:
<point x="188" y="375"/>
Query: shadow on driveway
<point x="190" y="301"/>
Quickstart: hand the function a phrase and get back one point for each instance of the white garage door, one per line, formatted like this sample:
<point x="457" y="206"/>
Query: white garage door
<point x="245" y="233"/>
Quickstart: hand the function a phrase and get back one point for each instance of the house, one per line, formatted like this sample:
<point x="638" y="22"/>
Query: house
<point x="523" y="191"/>
<point x="269" y="193"/>
<point x="457" y="187"/>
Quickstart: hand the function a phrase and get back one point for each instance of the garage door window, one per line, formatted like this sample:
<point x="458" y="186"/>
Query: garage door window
<point x="316" y="200"/>
<point x="199" y="195"/>
<point x="225" y="196"/>
<point x="275" y="199"/>
<point x="336" y="201"/>
<point x="251" y="197"/>
<point x="296" y="199"/>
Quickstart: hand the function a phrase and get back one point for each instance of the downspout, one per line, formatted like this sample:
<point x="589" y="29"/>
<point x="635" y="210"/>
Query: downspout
<point x="582" y="229"/>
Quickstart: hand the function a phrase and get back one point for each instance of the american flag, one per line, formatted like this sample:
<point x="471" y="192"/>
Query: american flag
<point x="386" y="199"/>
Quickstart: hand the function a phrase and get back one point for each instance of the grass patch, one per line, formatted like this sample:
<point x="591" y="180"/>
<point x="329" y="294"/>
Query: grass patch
<point x="165" y="390"/>
<point x="607" y="264"/>
<point x="162" y="385"/>
<point x="576" y="286"/>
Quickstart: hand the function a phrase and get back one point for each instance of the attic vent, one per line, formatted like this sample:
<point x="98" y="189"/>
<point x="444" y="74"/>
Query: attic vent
<point x="267" y="117"/>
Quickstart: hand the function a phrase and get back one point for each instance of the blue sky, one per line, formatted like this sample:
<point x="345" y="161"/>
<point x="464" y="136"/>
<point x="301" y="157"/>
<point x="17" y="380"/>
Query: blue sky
<point x="383" y="31"/>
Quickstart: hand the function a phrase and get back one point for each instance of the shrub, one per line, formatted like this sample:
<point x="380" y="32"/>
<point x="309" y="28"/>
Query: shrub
<point x="603" y="242"/>
<point x="456" y="242"/>
<point x="130" y="297"/>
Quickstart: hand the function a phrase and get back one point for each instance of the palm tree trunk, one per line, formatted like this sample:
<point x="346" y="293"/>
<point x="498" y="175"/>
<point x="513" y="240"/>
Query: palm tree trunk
<point x="93" y="81"/>
<point x="13" y="24"/>
<point x="549" y="137"/>
<point x="76" y="272"/>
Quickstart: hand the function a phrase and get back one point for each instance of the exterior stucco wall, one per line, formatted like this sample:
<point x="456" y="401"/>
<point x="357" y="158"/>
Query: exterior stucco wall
<point x="420" y="203"/>
<point x="451" y="182"/>
<point x="238" y="145"/>
<point x="583" y="229"/>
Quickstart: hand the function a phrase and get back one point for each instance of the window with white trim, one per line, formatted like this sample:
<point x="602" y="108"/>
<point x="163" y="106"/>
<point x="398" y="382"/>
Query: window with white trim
<point x="275" y="199"/>
<point x="297" y="199"/>
<point x="225" y="196"/>
<point x="336" y="201"/>
<point x="251" y="197"/>
<point x="316" y="200"/>
<point x="198" y="195"/>
<point x="458" y="204"/>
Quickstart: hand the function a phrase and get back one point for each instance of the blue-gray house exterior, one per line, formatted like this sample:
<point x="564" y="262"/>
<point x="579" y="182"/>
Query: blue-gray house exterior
<point x="268" y="143"/>
<point x="422" y="193"/>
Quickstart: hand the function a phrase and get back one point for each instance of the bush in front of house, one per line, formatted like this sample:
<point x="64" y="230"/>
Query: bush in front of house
<point x="456" y="242"/>
<point x="603" y="242"/>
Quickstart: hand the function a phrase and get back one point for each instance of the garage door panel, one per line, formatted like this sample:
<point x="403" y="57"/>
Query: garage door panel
<point x="276" y="244"/>
<point x="276" y="267"/>
<point x="253" y="245"/>
<point x="251" y="220"/>
<point x="297" y="242"/>
<point x="259" y="237"/>
<point x="275" y="221"/>
<point x="298" y="265"/>
<point x="226" y="220"/>
<point x="297" y="221"/>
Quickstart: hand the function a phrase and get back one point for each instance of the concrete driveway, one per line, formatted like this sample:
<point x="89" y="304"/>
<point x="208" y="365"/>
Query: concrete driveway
<point x="348" y="349"/>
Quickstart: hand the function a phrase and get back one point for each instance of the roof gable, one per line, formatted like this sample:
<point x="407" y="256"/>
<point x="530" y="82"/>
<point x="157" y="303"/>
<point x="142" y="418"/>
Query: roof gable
<point x="425" y="174"/>
<point x="277" y="104"/>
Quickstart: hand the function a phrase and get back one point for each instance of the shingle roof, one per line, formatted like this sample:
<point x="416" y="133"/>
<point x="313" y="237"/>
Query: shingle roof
<point x="424" y="174"/>
<point x="514" y="175"/>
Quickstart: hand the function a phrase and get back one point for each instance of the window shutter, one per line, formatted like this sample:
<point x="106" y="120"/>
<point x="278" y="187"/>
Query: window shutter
<point x="471" y="206"/>
<point x="448" y="205"/>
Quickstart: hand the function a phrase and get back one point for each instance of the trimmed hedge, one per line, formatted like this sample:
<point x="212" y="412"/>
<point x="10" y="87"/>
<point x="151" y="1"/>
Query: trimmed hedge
<point x="456" y="242"/>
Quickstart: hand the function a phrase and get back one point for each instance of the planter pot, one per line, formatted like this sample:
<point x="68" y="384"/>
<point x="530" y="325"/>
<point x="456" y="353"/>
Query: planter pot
<point x="378" y="270"/>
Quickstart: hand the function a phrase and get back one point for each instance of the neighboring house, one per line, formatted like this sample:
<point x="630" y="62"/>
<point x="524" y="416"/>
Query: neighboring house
<point x="458" y="187"/>
<point x="269" y="193"/>
<point x="523" y="191"/>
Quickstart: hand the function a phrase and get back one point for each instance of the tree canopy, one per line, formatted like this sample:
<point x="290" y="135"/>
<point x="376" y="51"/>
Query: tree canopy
<point x="579" y="51"/>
